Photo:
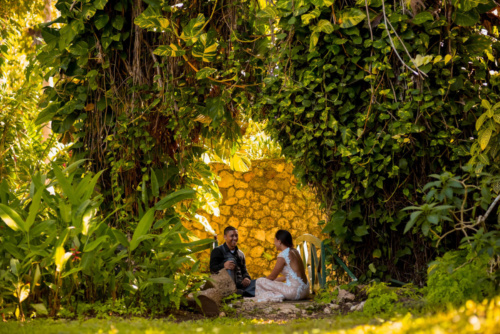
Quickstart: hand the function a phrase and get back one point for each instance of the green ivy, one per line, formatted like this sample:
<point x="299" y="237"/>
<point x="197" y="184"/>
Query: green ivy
<point x="367" y="100"/>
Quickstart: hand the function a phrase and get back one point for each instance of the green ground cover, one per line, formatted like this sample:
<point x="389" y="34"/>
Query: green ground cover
<point x="470" y="318"/>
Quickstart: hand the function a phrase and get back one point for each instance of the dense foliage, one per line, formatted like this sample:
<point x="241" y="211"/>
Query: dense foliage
<point x="380" y="106"/>
<point x="368" y="98"/>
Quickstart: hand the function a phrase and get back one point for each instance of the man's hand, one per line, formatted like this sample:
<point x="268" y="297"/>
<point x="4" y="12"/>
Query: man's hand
<point x="229" y="265"/>
<point x="246" y="282"/>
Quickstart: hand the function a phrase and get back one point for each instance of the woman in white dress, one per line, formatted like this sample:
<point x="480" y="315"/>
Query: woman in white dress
<point x="293" y="285"/>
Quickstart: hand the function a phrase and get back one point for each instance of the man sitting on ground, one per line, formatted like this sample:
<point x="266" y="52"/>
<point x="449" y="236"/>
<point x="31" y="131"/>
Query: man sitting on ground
<point x="230" y="258"/>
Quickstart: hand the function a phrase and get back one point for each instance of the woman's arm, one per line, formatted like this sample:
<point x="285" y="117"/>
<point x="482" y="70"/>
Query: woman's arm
<point x="280" y="279"/>
<point x="280" y="263"/>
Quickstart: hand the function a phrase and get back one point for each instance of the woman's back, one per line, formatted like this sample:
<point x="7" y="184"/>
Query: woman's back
<point x="297" y="265"/>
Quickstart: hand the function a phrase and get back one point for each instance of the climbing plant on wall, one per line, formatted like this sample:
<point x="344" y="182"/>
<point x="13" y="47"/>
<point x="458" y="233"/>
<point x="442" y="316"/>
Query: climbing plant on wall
<point x="145" y="87"/>
<point x="368" y="98"/>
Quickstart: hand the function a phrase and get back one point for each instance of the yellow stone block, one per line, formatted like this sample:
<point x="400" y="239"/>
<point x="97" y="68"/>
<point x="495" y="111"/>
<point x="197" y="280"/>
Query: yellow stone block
<point x="239" y="211"/>
<point x="244" y="202"/>
<point x="258" y="214"/>
<point x="240" y="184"/>
<point x="233" y="221"/>
<point x="270" y="236"/>
<point x="288" y="199"/>
<point x="274" y="205"/>
<point x="276" y="214"/>
<point x="230" y="192"/>
<point x="269" y="193"/>
<point x="218" y="220"/>
<point x="238" y="175"/>
<point x="240" y="193"/>
<point x="247" y="222"/>
<point x="225" y="210"/>
<point x="248" y="176"/>
<point x="257" y="206"/>
<point x="242" y="232"/>
<point x="231" y="201"/>
<point x="266" y="211"/>
<point x="249" y="212"/>
<point x="272" y="185"/>
<point x="264" y="199"/>
<point x="267" y="221"/>
<point x="256" y="252"/>
<point x="260" y="235"/>
<point x="289" y="215"/>
<point x="279" y="195"/>
<point x="259" y="172"/>
<point x="279" y="167"/>
<point x="227" y="179"/>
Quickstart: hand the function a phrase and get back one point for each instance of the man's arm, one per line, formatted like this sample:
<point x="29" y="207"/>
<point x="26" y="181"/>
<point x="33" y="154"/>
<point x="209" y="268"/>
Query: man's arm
<point x="244" y="271"/>
<point x="216" y="260"/>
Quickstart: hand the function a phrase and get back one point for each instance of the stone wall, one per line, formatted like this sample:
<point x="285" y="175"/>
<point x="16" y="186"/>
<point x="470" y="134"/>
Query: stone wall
<point x="258" y="203"/>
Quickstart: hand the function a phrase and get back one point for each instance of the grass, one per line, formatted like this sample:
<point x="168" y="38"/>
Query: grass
<point x="469" y="318"/>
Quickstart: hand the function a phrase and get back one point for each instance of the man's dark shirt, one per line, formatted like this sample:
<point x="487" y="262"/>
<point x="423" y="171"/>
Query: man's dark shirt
<point x="222" y="254"/>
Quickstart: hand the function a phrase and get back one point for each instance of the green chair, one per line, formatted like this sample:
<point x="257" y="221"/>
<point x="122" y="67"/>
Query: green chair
<point x="308" y="246"/>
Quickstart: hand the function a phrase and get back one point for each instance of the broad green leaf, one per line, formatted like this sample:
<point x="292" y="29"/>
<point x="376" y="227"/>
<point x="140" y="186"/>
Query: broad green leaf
<point x="486" y="104"/>
<point x="426" y="227"/>
<point x="40" y="309"/>
<point x="324" y="26"/>
<point x="205" y="73"/>
<point x="93" y="245"/>
<point x="65" y="184"/>
<point x="466" y="19"/>
<point x="11" y="218"/>
<point x="101" y="21"/>
<point x="411" y="222"/>
<point x="174" y="198"/>
<point x="35" y="205"/>
<point x="120" y="237"/>
<point x="100" y="4"/>
<point x="205" y="49"/>
<point x="421" y="60"/>
<point x="152" y="19"/>
<point x="192" y="31"/>
<point x="422" y="17"/>
<point x="433" y="219"/>
<point x="60" y="258"/>
<point x="484" y="137"/>
<point x="351" y="17"/>
<point x="240" y="162"/>
<point x="47" y="114"/>
<point x="480" y="121"/>
<point x="118" y="22"/>
<point x="306" y="18"/>
<point x="372" y="268"/>
<point x="215" y="109"/>
<point x="447" y="59"/>
<point x="155" y="189"/>
<point x="15" y="267"/>
<point x="71" y="271"/>
<point x="142" y="228"/>
<point x="171" y="50"/>
<point x="361" y="230"/>
<point x="336" y="223"/>
<point x="161" y="280"/>
<point x="313" y="40"/>
<point x="267" y="13"/>
<point x="79" y="49"/>
<point x="377" y="253"/>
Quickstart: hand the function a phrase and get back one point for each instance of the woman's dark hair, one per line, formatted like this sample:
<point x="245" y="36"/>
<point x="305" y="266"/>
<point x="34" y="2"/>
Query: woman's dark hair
<point x="285" y="237"/>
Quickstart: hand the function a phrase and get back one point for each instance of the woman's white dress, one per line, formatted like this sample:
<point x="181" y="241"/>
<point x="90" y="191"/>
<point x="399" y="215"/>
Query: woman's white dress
<point x="273" y="291"/>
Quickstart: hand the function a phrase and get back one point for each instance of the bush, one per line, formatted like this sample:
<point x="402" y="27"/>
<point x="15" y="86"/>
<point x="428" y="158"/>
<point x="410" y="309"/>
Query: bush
<point x="381" y="299"/>
<point x="456" y="277"/>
